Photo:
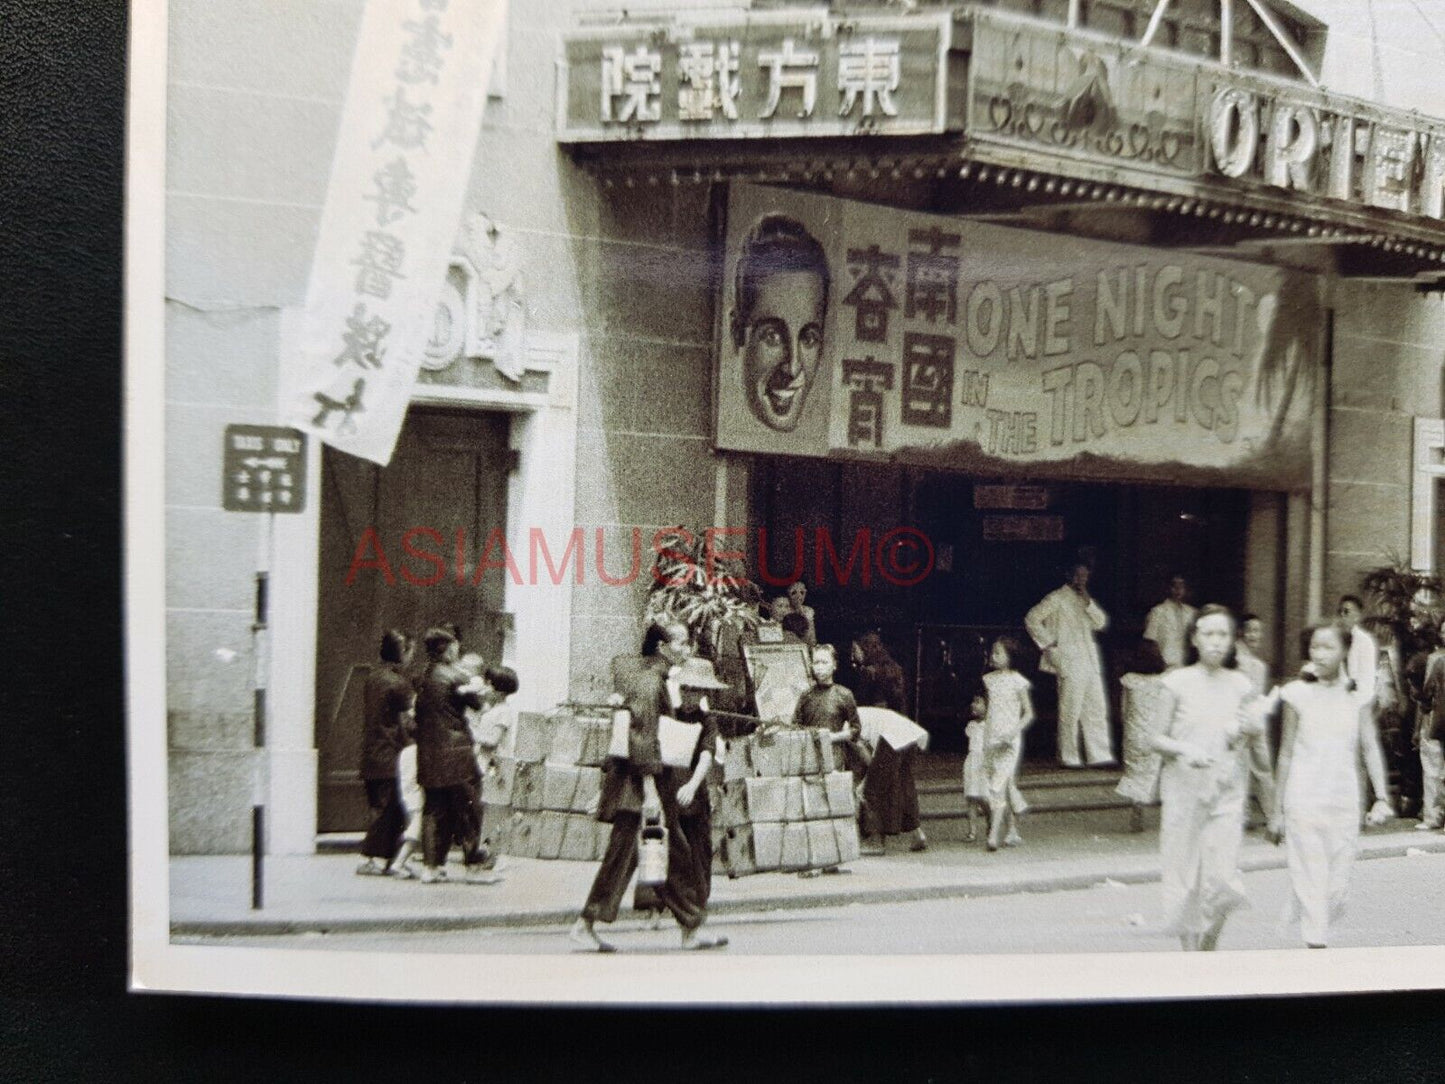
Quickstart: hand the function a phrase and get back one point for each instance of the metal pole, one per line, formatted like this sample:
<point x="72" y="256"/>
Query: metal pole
<point x="258" y="835"/>
<point x="1226" y="32"/>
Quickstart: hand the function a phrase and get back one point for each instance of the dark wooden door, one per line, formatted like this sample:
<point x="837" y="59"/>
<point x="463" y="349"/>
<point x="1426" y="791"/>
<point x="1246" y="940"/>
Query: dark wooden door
<point x="445" y="494"/>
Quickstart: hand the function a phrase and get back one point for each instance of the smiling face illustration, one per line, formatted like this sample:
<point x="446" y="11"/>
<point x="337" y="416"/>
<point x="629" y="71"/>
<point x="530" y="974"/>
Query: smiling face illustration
<point x="780" y="304"/>
<point x="784" y="343"/>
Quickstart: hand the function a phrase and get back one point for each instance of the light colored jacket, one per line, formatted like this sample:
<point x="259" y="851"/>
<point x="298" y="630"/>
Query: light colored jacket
<point x="1064" y="622"/>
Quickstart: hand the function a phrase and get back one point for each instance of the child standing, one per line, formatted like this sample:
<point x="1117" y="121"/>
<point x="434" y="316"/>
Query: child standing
<point x="975" y="780"/>
<point x="1010" y="711"/>
<point x="411" y="800"/>
<point x="1204" y="739"/>
<point x="1328" y="729"/>
<point x="831" y="707"/>
<point x="495" y="734"/>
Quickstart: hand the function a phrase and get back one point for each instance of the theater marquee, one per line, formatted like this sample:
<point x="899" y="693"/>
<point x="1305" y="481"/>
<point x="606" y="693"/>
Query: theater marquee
<point x="853" y="330"/>
<point x="755" y="75"/>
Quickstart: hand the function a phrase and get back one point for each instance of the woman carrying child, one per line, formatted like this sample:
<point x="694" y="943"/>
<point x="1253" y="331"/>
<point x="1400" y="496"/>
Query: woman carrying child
<point x="1207" y="725"/>
<point x="1329" y="728"/>
<point x="1010" y="711"/>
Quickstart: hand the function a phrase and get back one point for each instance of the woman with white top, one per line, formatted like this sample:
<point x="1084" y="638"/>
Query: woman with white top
<point x="1328" y="730"/>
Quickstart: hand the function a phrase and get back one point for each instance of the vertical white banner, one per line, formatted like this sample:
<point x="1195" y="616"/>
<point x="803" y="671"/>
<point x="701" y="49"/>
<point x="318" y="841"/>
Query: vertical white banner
<point x="408" y="132"/>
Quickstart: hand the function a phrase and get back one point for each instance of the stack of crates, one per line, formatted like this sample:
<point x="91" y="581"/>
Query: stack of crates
<point x="781" y="805"/>
<point x="542" y="801"/>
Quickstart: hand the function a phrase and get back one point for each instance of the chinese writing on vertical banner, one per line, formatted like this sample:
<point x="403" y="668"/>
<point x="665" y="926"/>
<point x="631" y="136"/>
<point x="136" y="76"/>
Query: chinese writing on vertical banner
<point x="404" y="152"/>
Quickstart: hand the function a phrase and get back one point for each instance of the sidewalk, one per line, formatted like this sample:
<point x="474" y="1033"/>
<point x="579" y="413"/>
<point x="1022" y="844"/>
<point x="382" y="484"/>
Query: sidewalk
<point x="211" y="895"/>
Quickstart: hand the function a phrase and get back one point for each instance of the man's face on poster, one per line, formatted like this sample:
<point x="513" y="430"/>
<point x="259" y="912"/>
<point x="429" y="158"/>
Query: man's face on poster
<point x="784" y="341"/>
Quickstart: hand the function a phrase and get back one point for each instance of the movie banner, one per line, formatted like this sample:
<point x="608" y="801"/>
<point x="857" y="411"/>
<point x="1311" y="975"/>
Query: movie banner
<point x="857" y="331"/>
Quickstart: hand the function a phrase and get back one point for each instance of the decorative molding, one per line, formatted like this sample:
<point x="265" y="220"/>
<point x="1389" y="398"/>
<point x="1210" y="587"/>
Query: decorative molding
<point x="482" y="314"/>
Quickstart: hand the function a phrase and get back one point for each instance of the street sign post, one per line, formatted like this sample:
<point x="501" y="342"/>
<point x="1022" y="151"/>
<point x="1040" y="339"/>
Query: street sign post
<point x="264" y="469"/>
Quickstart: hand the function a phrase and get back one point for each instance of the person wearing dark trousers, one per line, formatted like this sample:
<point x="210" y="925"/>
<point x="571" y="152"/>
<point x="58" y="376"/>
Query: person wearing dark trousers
<point x="687" y="807"/>
<point x="386" y="718"/>
<point x="446" y="764"/>
<point x="638" y="788"/>
<point x="890" y="793"/>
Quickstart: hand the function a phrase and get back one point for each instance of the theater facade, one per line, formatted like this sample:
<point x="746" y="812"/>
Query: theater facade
<point x="1032" y="282"/>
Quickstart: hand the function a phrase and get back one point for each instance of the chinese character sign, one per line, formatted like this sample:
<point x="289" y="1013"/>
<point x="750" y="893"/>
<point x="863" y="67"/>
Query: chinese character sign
<point x="855" y="330"/>
<point x="404" y="151"/>
<point x="756" y="74"/>
<point x="263" y="469"/>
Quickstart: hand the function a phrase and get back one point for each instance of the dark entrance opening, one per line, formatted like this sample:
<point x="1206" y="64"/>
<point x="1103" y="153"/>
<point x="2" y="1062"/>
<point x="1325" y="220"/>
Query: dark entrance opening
<point x="997" y="548"/>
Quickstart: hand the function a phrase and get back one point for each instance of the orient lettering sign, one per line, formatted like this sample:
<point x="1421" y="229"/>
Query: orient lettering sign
<point x="859" y="331"/>
<point x="1321" y="145"/>
<point x="1144" y="113"/>
<point x="769" y="74"/>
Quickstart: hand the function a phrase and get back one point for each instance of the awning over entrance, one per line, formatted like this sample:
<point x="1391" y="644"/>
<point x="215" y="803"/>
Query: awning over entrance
<point x="1000" y="115"/>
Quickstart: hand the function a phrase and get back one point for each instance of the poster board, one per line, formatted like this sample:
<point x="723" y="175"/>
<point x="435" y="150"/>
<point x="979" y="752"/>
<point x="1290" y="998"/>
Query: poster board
<point x="779" y="674"/>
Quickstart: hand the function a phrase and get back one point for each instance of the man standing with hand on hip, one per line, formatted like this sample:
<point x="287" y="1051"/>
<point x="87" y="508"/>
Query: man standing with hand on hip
<point x="1063" y="625"/>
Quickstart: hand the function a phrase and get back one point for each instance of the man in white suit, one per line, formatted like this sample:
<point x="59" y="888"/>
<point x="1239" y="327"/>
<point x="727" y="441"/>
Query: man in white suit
<point x="1063" y="625"/>
<point x="1168" y="623"/>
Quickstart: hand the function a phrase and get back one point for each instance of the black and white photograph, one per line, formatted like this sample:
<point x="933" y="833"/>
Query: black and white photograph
<point x="869" y="501"/>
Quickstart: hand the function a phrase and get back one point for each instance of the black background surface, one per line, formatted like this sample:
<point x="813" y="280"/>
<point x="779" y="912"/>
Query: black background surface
<point x="65" y="1014"/>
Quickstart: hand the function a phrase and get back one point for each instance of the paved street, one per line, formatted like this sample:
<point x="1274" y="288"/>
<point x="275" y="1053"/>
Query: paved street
<point x="1395" y="901"/>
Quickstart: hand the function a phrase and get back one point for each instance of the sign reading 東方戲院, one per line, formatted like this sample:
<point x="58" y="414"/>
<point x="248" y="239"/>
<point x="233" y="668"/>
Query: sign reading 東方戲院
<point x="1070" y="95"/>
<point x="780" y="74"/>
<point x="849" y="329"/>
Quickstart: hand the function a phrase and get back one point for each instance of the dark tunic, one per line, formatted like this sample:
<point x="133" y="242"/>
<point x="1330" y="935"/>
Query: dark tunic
<point x="444" y="756"/>
<point x="832" y="708"/>
<point x="385" y="700"/>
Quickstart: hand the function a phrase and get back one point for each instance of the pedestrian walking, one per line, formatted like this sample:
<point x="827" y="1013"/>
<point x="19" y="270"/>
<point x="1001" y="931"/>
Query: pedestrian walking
<point x="413" y="800"/>
<point x="634" y="793"/>
<point x="890" y="790"/>
<point x="446" y="762"/>
<point x="975" y="778"/>
<point x="1204" y="738"/>
<point x="495" y="735"/>
<point x="386" y="704"/>
<point x="1261" y="761"/>
<point x="1064" y="624"/>
<point x="1010" y="712"/>
<point x="1364" y="653"/>
<point x="1430" y="738"/>
<point x="1328" y="730"/>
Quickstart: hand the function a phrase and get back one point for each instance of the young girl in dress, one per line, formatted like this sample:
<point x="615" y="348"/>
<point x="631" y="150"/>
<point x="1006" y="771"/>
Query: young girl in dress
<point x="1328" y="729"/>
<point x="1207" y="725"/>
<point x="975" y="782"/>
<point x="1010" y="711"/>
